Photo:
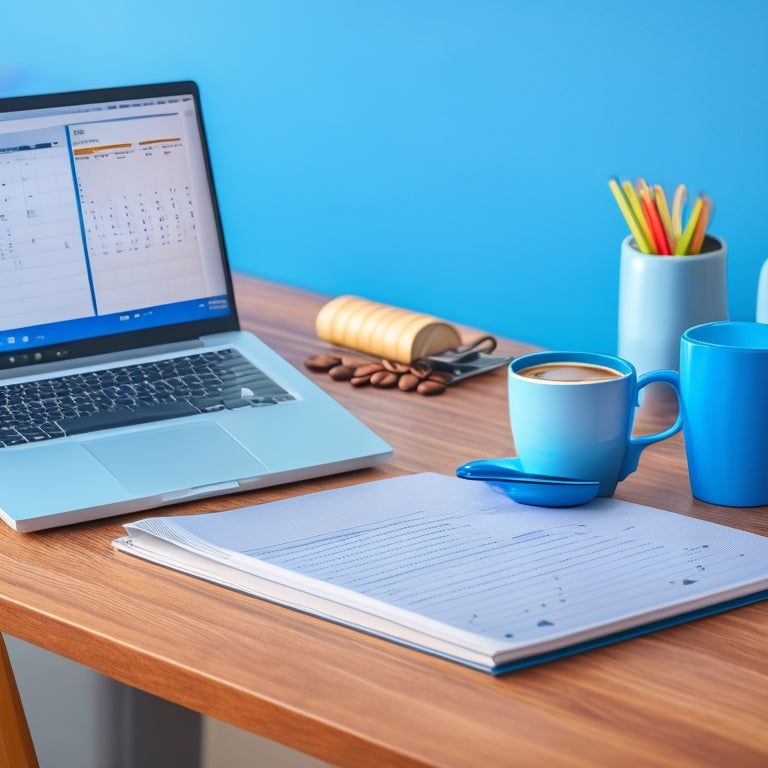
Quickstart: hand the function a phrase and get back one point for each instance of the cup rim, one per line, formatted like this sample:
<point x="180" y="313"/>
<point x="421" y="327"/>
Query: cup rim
<point x="697" y="336"/>
<point x="717" y="250"/>
<point x="619" y="364"/>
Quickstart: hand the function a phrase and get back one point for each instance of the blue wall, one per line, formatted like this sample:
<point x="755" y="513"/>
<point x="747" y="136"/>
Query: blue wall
<point x="448" y="156"/>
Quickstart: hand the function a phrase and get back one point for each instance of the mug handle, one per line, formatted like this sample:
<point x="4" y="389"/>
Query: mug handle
<point x="637" y="444"/>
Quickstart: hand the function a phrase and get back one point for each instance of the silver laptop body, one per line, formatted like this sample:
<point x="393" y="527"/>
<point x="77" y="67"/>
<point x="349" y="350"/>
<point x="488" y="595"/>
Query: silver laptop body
<point x="112" y="254"/>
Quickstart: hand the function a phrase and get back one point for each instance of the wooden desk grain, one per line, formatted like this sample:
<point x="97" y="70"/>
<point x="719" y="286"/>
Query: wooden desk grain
<point x="692" y="695"/>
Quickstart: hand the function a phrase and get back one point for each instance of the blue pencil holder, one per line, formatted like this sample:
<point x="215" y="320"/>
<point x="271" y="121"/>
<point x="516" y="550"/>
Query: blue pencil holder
<point x="660" y="297"/>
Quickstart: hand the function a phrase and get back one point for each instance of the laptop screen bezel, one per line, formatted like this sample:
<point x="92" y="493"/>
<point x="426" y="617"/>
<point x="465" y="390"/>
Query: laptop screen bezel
<point x="148" y="337"/>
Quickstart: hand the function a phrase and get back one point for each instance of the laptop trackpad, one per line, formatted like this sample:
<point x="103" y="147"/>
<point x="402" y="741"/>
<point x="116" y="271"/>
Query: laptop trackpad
<point x="175" y="458"/>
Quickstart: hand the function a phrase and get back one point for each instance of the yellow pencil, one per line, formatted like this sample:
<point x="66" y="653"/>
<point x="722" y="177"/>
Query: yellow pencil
<point x="666" y="220"/>
<point x="637" y="209"/>
<point x="629" y="216"/>
<point x="681" y="249"/>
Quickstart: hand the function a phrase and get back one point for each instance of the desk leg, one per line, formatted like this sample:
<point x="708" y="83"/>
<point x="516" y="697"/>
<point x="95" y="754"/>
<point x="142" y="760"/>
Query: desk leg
<point x="81" y="719"/>
<point x="16" y="748"/>
<point x="154" y="733"/>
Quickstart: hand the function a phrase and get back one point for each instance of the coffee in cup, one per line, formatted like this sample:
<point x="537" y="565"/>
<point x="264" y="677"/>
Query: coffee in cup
<point x="572" y="372"/>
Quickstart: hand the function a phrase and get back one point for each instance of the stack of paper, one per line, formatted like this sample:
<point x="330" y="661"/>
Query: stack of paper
<point x="457" y="569"/>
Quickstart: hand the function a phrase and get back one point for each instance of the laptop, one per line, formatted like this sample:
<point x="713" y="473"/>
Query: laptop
<point x="126" y="382"/>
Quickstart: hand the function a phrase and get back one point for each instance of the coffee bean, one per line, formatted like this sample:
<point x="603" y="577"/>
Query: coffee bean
<point x="341" y="372"/>
<point x="429" y="387"/>
<point x="360" y="372"/>
<point x="354" y="360"/>
<point x="394" y="366"/>
<point x="384" y="379"/>
<point x="407" y="382"/>
<point x="368" y="369"/>
<point x="322" y="362"/>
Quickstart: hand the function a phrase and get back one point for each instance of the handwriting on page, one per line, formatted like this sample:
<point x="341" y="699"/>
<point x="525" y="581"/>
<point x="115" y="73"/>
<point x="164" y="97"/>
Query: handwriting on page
<point x="474" y="572"/>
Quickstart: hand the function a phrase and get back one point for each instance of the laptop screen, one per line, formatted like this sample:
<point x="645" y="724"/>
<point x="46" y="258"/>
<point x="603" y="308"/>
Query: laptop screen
<point x="109" y="230"/>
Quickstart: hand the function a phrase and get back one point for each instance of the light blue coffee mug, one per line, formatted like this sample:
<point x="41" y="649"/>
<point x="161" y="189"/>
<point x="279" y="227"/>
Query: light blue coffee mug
<point x="581" y="429"/>
<point x="724" y="383"/>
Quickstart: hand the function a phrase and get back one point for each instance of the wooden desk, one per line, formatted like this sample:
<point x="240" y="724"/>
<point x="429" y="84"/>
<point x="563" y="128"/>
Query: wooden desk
<point x="691" y="695"/>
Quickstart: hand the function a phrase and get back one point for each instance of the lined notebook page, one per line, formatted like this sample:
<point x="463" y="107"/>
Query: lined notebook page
<point x="460" y="553"/>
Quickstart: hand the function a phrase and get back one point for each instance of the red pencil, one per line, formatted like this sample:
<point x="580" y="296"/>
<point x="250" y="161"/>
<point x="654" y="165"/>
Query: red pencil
<point x="654" y="222"/>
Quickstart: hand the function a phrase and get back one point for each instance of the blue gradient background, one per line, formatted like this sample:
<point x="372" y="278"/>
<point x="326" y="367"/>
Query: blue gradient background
<point x="451" y="157"/>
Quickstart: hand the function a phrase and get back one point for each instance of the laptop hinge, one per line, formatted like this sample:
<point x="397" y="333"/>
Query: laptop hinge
<point x="107" y="358"/>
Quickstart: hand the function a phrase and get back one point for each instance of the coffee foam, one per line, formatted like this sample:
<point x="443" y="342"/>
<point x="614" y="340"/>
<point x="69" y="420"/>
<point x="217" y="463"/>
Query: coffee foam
<point x="570" y="372"/>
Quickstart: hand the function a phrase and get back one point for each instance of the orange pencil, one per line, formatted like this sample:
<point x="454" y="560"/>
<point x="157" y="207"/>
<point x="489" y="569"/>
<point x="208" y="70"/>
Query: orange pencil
<point x="701" y="226"/>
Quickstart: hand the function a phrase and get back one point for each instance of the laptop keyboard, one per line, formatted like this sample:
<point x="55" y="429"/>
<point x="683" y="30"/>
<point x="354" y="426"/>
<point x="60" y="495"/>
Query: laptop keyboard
<point x="134" y="394"/>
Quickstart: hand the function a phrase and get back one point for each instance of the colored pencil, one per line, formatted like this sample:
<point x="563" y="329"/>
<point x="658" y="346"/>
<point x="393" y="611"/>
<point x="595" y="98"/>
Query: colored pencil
<point x="629" y="216"/>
